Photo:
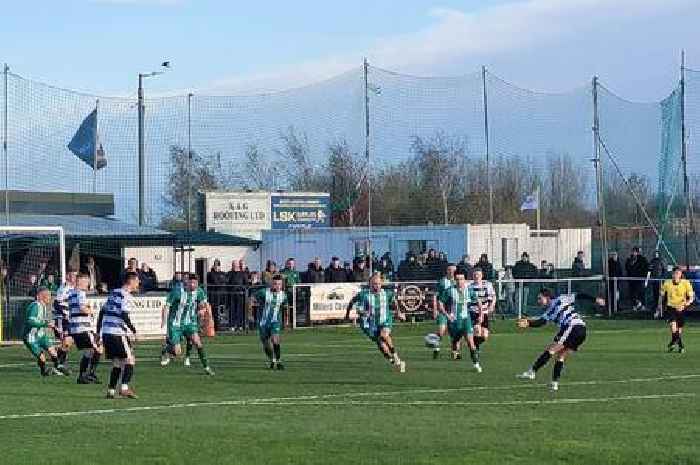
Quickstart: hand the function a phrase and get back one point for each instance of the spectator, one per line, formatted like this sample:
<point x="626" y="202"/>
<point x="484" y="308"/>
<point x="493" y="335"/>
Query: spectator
<point x="177" y="280"/>
<point x="41" y="273"/>
<point x="315" y="272"/>
<point x="216" y="290"/>
<point x="509" y="289"/>
<point x="361" y="272"/>
<point x="335" y="273"/>
<point x="149" y="280"/>
<point x="657" y="267"/>
<point x="255" y="279"/>
<point x="132" y="267"/>
<point x="410" y="269"/>
<point x="347" y="266"/>
<point x="33" y="285"/>
<point x="544" y="270"/>
<point x="614" y="271"/>
<point x="636" y="267"/>
<point x="485" y="266"/>
<point x="93" y="272"/>
<point x="290" y="274"/>
<point x="237" y="278"/>
<point x="102" y="289"/>
<point x="466" y="268"/>
<point x="578" y="267"/>
<point x="50" y="283"/>
<point x="523" y="269"/>
<point x="244" y="268"/>
<point x="269" y="273"/>
<point x="385" y="268"/>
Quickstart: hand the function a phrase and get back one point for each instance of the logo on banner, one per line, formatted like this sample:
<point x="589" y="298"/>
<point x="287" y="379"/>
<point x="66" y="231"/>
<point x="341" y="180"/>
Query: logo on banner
<point x="411" y="298"/>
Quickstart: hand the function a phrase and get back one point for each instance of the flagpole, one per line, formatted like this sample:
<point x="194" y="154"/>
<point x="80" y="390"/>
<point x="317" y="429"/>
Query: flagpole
<point x="538" y="210"/>
<point x="95" y="148"/>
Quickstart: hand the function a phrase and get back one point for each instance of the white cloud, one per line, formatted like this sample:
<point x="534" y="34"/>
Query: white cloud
<point x="474" y="37"/>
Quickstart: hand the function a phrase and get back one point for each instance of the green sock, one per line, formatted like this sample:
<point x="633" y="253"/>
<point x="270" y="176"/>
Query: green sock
<point x="202" y="356"/>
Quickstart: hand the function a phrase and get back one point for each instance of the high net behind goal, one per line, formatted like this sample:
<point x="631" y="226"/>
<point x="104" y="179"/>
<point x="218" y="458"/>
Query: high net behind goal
<point x="30" y="257"/>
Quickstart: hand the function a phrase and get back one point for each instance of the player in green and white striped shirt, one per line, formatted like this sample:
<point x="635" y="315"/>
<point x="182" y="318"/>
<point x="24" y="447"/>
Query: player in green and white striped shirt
<point x="377" y="305"/>
<point x="270" y="305"/>
<point x="444" y="285"/>
<point x="36" y="337"/>
<point x="455" y="306"/>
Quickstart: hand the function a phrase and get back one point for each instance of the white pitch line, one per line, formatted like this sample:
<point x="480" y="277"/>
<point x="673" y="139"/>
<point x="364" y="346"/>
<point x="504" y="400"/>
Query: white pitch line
<point x="431" y="403"/>
<point x="319" y="398"/>
<point x="300" y="401"/>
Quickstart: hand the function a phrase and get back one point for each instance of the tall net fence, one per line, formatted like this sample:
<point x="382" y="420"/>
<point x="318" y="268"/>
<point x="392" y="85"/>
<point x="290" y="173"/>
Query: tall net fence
<point x="427" y="144"/>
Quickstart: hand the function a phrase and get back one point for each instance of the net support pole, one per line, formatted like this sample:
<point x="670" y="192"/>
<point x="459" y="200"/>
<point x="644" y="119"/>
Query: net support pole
<point x="600" y="198"/>
<point x="489" y="182"/>
<point x="6" y="160"/>
<point x="684" y="154"/>
<point x="189" y="163"/>
<point x="369" y="167"/>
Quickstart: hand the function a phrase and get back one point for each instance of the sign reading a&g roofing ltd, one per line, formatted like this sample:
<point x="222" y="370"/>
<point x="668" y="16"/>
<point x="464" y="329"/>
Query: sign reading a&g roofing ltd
<point x="300" y="210"/>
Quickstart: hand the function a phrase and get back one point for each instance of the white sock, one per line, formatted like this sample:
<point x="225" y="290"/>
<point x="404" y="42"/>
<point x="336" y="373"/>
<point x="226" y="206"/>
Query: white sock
<point x="125" y="387"/>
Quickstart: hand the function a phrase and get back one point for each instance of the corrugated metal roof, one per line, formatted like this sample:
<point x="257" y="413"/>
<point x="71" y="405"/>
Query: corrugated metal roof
<point x="85" y="225"/>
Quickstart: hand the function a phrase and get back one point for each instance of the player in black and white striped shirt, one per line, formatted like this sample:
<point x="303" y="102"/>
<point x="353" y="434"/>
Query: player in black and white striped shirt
<point x="572" y="333"/>
<point x="61" y="326"/>
<point x="80" y="324"/>
<point x="114" y="324"/>
<point x="480" y="310"/>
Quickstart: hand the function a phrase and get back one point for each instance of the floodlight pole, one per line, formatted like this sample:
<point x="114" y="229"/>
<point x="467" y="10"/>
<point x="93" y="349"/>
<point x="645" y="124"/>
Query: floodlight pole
<point x="369" y="168"/>
<point x="600" y="198"/>
<point x="142" y="161"/>
<point x="684" y="155"/>
<point x="189" y="163"/>
<point x="488" y="163"/>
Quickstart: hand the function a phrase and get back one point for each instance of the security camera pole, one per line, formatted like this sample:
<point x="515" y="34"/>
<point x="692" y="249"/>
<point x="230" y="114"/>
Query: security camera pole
<point x="142" y="160"/>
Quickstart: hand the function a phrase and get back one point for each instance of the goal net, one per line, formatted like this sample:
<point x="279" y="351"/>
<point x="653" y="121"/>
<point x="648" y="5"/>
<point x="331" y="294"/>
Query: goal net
<point x="30" y="257"/>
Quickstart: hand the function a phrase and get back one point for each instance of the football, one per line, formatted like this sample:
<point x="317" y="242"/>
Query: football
<point x="431" y="340"/>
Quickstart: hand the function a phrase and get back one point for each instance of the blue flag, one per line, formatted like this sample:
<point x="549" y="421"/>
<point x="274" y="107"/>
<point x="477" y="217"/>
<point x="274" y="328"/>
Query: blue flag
<point x="84" y="141"/>
<point x="531" y="203"/>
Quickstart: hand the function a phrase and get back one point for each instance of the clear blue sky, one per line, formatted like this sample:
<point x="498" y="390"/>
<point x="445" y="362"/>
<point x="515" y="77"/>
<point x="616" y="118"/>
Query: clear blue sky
<point x="232" y="46"/>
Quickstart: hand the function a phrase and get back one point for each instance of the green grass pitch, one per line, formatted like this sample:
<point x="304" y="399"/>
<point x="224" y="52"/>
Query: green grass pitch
<point x="623" y="400"/>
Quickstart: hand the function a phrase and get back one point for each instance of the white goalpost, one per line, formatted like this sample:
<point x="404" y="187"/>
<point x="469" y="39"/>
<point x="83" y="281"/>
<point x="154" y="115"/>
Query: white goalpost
<point x="30" y="257"/>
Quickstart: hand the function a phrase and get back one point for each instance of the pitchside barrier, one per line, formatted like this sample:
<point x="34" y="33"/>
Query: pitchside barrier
<point x="326" y="303"/>
<point x="640" y="295"/>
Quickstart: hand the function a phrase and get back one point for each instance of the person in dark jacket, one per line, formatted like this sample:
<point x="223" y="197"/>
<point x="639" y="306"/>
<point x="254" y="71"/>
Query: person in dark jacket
<point x="237" y="287"/>
<point x="657" y="268"/>
<point x="335" y="273"/>
<point x="466" y="268"/>
<point x="524" y="269"/>
<point x="315" y="272"/>
<point x="578" y="267"/>
<point x="486" y="267"/>
<point x="386" y="269"/>
<point x="636" y="267"/>
<point x="614" y="271"/>
<point x="216" y="290"/>
<point x="361" y="272"/>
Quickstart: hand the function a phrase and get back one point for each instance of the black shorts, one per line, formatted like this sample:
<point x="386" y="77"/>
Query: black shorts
<point x="571" y="336"/>
<point x="85" y="340"/>
<point x="475" y="319"/>
<point x="60" y="328"/>
<point x="116" y="346"/>
<point x="676" y="316"/>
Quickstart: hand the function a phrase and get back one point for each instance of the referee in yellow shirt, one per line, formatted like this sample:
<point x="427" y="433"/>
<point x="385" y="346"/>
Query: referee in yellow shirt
<point x="679" y="295"/>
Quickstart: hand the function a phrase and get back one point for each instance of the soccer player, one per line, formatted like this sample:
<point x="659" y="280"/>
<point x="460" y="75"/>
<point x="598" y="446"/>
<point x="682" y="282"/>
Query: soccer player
<point x="270" y="302"/>
<point x="484" y="304"/>
<point x="182" y="309"/>
<point x="444" y="285"/>
<point x="377" y="306"/>
<point x="572" y="333"/>
<point x="79" y="321"/>
<point x="113" y="323"/>
<point x="678" y="294"/>
<point x="455" y="306"/>
<point x="60" y="319"/>
<point x="37" y="340"/>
